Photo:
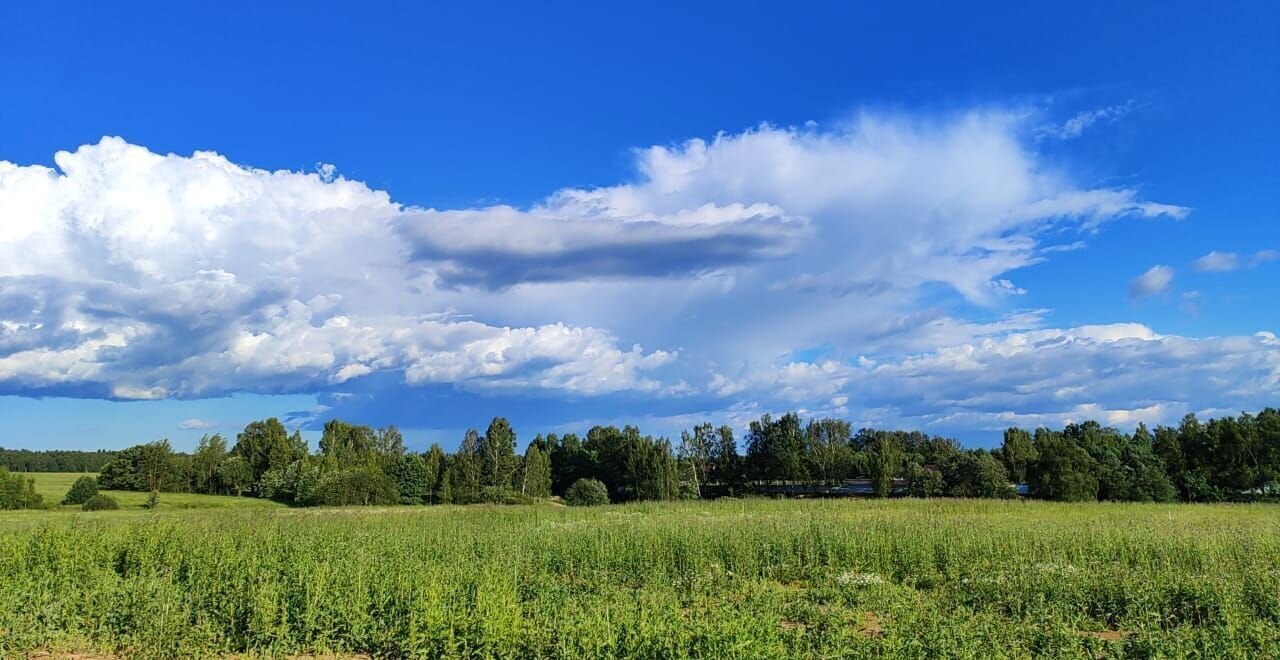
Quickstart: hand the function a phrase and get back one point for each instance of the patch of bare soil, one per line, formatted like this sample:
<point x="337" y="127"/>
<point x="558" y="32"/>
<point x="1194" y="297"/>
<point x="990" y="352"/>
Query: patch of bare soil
<point x="1105" y="635"/>
<point x="870" y="626"/>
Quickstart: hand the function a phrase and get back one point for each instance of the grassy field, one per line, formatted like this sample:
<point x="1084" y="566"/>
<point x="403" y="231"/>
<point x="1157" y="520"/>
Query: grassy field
<point x="726" y="579"/>
<point x="53" y="486"/>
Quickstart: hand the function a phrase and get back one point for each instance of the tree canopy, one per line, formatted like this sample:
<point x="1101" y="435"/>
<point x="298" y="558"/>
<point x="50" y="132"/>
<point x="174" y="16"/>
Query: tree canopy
<point x="1229" y="458"/>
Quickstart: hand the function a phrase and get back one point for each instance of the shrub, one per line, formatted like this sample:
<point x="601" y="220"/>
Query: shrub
<point x="153" y="500"/>
<point x="84" y="488"/>
<point x="100" y="502"/>
<point x="496" y="495"/>
<point x="587" y="492"/>
<point x="359" y="486"/>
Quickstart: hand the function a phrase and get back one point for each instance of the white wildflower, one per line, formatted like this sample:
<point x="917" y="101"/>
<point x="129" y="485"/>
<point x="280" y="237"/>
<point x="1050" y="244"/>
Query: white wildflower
<point x="855" y="579"/>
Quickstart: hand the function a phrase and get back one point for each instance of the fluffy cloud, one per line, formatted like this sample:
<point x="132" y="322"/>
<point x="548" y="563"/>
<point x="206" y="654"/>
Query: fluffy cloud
<point x="1153" y="282"/>
<point x="130" y="274"/>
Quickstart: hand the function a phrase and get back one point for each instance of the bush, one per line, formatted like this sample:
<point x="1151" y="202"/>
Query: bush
<point x="100" y="502"/>
<point x="84" y="488"/>
<point x="587" y="492"/>
<point x="496" y="495"/>
<point x="361" y="486"/>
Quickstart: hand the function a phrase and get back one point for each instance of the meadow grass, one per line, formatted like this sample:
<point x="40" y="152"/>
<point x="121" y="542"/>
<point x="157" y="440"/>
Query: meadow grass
<point x="725" y="579"/>
<point x="53" y="486"/>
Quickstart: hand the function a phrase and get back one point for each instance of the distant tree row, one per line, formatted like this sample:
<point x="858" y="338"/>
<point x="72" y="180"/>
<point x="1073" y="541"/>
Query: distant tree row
<point x="1232" y="458"/>
<point x="57" y="460"/>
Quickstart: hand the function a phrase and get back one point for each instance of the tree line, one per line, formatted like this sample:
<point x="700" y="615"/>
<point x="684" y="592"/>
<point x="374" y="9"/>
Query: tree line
<point x="55" y="460"/>
<point x="1230" y="458"/>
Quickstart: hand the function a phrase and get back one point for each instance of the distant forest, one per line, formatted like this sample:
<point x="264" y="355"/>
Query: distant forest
<point x="57" y="460"/>
<point x="1225" y="459"/>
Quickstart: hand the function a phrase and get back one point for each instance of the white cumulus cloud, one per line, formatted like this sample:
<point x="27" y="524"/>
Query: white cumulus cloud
<point x="126" y="273"/>
<point x="130" y="274"/>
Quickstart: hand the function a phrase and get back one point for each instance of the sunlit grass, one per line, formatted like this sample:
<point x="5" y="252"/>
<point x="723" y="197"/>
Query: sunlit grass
<point x="53" y="486"/>
<point x="750" y="578"/>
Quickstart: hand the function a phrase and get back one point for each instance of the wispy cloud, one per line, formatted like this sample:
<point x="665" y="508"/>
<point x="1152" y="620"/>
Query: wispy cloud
<point x="1082" y="121"/>
<point x="1219" y="262"/>
<point x="197" y="424"/>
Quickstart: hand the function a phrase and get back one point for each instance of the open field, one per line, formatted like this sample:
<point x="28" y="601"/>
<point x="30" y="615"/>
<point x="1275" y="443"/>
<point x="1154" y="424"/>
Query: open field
<point x="750" y="578"/>
<point x="53" y="487"/>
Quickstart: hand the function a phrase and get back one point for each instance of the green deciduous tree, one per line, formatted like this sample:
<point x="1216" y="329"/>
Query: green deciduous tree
<point x="463" y="471"/>
<point x="497" y="452"/>
<point x="1064" y="471"/>
<point x="210" y="453"/>
<point x="150" y="466"/>
<point x="977" y="474"/>
<point x="435" y="462"/>
<point x="829" y="455"/>
<point x="267" y="445"/>
<point x="697" y="452"/>
<point x="388" y="446"/>
<point x="776" y="449"/>
<point x="413" y="481"/>
<point x="1018" y="453"/>
<point x="535" y="473"/>
<point x="236" y="474"/>
<point x="18" y="491"/>
<point x="728" y="469"/>
<point x="348" y="445"/>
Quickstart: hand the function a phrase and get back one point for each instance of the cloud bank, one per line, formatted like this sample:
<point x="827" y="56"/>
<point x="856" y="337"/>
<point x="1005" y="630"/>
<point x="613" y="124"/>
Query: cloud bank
<point x="129" y="274"/>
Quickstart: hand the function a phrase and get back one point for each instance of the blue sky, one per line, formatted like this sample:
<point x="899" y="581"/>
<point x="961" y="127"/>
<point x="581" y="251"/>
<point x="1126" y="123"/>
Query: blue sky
<point x="951" y="218"/>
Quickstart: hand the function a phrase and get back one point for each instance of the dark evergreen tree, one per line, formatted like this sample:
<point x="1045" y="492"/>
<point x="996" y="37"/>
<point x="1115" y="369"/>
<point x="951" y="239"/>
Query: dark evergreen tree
<point x="83" y="488"/>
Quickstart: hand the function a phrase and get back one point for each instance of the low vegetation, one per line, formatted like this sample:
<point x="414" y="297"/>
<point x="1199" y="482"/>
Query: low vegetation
<point x="100" y="502"/>
<point x="587" y="492"/>
<point x="754" y="578"/>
